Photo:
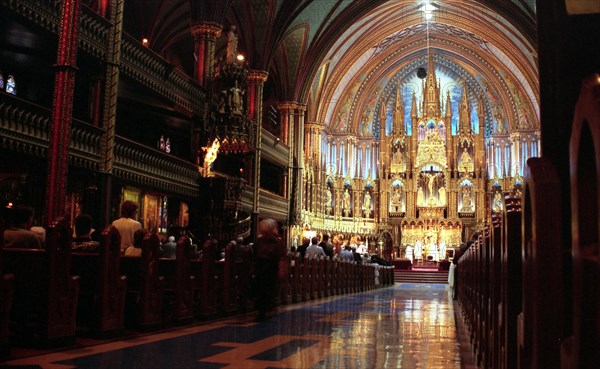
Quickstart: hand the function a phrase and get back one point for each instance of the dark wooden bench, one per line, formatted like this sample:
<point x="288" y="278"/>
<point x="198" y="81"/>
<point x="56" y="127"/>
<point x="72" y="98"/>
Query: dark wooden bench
<point x="45" y="299"/>
<point x="178" y="285"/>
<point x="143" y="308"/>
<point x="7" y="289"/>
<point x="103" y="287"/>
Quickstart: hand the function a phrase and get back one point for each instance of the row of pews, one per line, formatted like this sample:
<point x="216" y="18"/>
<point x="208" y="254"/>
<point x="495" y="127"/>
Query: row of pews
<point x="529" y="287"/>
<point x="48" y="297"/>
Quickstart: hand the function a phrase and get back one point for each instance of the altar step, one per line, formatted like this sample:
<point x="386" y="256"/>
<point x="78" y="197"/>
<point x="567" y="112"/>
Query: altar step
<point x="417" y="276"/>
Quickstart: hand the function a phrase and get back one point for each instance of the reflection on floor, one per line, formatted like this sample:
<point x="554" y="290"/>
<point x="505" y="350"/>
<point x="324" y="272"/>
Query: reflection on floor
<point x="404" y="326"/>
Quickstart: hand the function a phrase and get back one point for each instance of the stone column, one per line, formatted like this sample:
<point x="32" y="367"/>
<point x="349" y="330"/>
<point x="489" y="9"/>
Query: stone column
<point x="205" y="35"/>
<point x="256" y="80"/>
<point x="299" y="171"/>
<point x="286" y="118"/>
<point x="515" y="140"/>
<point x="62" y="110"/>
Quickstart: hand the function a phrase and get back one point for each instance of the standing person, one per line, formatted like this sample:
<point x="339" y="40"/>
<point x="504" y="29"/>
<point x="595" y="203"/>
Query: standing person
<point x="314" y="250"/>
<point x="20" y="234"/>
<point x="327" y="246"/>
<point x="126" y="224"/>
<point x="270" y="258"/>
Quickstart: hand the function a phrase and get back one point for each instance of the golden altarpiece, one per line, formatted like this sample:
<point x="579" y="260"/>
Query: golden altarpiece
<point x="432" y="184"/>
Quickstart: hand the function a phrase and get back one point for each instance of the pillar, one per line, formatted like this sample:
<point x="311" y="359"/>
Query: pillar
<point x="109" y="116"/>
<point x="62" y="110"/>
<point x="205" y="36"/>
<point x="256" y="80"/>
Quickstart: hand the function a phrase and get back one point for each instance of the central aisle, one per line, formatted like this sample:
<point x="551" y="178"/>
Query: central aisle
<point x="404" y="326"/>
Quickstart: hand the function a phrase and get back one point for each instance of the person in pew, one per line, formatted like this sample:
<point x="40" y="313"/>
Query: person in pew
<point x="314" y="250"/>
<point x="302" y="248"/>
<point x="126" y="224"/>
<point x="270" y="258"/>
<point x="327" y="246"/>
<point x="83" y="235"/>
<point x="169" y="248"/>
<point x="41" y="233"/>
<point x="136" y="248"/>
<point x="19" y="235"/>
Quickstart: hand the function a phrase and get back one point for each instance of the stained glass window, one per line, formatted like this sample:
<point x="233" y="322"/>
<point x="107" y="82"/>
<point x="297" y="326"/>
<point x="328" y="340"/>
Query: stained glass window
<point x="1" y="81"/>
<point x="11" y="86"/>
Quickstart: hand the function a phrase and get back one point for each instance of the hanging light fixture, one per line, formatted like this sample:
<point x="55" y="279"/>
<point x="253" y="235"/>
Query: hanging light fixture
<point x="427" y="8"/>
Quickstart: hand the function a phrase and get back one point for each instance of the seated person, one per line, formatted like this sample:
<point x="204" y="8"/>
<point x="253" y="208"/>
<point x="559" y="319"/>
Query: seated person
<point x="169" y="248"/>
<point x="83" y="235"/>
<point x="136" y="249"/>
<point x="19" y="235"/>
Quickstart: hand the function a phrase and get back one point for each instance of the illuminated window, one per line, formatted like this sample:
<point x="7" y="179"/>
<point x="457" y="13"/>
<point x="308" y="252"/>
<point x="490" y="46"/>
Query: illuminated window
<point x="1" y="81"/>
<point x="162" y="226"/>
<point x="11" y="86"/>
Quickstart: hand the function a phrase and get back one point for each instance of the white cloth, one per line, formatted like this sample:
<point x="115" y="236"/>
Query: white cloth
<point x="126" y="228"/>
<point x="451" y="275"/>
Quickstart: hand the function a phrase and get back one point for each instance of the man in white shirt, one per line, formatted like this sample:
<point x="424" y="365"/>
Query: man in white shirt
<point x="126" y="224"/>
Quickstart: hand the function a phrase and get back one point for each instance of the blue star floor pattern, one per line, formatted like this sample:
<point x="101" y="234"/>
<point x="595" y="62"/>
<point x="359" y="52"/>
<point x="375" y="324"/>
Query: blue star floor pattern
<point x="404" y="326"/>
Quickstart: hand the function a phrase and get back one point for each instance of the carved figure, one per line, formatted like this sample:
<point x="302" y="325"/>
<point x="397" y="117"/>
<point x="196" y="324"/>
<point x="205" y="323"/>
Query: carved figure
<point x="442" y="196"/>
<point x="420" y="200"/>
<point x="346" y="202"/>
<point x="367" y="204"/>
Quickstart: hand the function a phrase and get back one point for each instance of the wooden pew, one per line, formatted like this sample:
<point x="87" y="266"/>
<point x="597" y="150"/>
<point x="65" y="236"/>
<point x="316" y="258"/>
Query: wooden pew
<point x="495" y="293"/>
<point x="580" y="350"/>
<point x="45" y="299"/>
<point x="178" y="285"/>
<point x="511" y="282"/>
<point x="540" y="334"/>
<point x="103" y="287"/>
<point x="184" y="290"/>
<point x="7" y="289"/>
<point x="145" y="286"/>
<point x="207" y="281"/>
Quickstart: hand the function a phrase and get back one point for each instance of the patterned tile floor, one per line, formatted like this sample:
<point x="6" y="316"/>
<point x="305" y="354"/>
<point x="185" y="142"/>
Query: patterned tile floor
<point x="404" y="326"/>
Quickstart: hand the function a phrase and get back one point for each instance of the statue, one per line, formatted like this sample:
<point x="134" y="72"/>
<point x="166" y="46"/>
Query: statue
<point x="328" y="199"/>
<point x="442" y="196"/>
<point x="396" y="200"/>
<point x="431" y="200"/>
<point x="346" y="202"/>
<point x="236" y="103"/>
<point x="420" y="200"/>
<point x="231" y="45"/>
<point x="430" y="179"/>
<point x="466" y="200"/>
<point x="497" y="203"/>
<point x="465" y="164"/>
<point x="367" y="204"/>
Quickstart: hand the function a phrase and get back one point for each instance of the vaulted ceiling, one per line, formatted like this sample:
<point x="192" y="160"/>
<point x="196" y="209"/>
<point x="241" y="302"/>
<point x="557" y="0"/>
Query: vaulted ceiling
<point x="338" y="55"/>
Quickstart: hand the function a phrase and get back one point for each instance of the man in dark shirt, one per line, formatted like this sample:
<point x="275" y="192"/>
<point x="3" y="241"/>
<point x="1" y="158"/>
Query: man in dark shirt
<point x="269" y="257"/>
<point x="327" y="246"/>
